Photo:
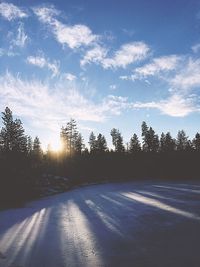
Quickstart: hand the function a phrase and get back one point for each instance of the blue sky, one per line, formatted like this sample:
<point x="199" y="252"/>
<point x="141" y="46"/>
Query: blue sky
<point x="105" y="63"/>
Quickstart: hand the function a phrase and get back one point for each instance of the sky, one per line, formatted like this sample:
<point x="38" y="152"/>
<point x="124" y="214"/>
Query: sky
<point x="104" y="63"/>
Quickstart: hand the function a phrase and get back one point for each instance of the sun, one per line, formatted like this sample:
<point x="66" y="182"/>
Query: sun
<point x="55" y="146"/>
<point x="52" y="145"/>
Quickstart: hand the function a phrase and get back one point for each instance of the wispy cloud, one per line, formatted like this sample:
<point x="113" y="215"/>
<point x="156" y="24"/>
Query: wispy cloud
<point x="46" y="14"/>
<point x="157" y="66"/>
<point x="127" y="54"/>
<point x="181" y="75"/>
<point x="42" y="62"/>
<point x="38" y="102"/>
<point x="70" y="77"/>
<point x="11" y="12"/>
<point x="74" y="36"/>
<point x="196" y="48"/>
<point x="188" y="77"/>
<point x="176" y="105"/>
<point x="95" y="55"/>
<point x="7" y="52"/>
<point x="21" y="38"/>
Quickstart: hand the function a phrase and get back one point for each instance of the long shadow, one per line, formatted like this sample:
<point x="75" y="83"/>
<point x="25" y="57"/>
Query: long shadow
<point x="133" y="241"/>
<point x="110" y="225"/>
<point x="193" y="191"/>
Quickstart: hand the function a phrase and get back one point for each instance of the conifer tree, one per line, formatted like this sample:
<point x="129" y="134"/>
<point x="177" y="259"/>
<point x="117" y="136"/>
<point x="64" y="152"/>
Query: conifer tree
<point x="117" y="140"/>
<point x="37" y="150"/>
<point x="12" y="137"/>
<point x="69" y="136"/>
<point x="134" y="145"/>
<point x="181" y="141"/>
<point x="79" y="144"/>
<point x="92" y="142"/>
<point x="196" y="142"/>
<point x="101" y="144"/>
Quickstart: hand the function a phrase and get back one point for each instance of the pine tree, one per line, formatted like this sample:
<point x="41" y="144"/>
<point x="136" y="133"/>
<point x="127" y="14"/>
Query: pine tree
<point x="134" y="145"/>
<point x="69" y="136"/>
<point x="92" y="143"/>
<point x="101" y="144"/>
<point x="12" y="135"/>
<point x="150" y="139"/>
<point x="170" y="142"/>
<point x="114" y="134"/>
<point x="79" y="144"/>
<point x="196" y="142"/>
<point x="167" y="143"/>
<point x="144" y="136"/>
<point x="117" y="140"/>
<point x="37" y="150"/>
<point x="182" y="141"/>
<point x="162" y="142"/>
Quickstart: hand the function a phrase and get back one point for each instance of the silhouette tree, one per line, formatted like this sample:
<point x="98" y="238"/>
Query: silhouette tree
<point x="182" y="141"/>
<point x="134" y="145"/>
<point x="117" y="140"/>
<point x="92" y="143"/>
<point x="144" y="136"/>
<point x="114" y="134"/>
<point x="101" y="144"/>
<point x="153" y="140"/>
<point x="167" y="143"/>
<point x="12" y="135"/>
<point x="150" y="139"/>
<point x="37" y="150"/>
<point x="196" y="142"/>
<point x="79" y="144"/>
<point x="69" y="136"/>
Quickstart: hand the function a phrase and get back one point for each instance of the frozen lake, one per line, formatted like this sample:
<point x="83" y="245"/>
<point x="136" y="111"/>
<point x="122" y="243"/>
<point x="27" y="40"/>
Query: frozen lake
<point x="148" y="224"/>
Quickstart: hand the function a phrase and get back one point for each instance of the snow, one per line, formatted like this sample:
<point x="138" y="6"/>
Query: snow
<point x="117" y="224"/>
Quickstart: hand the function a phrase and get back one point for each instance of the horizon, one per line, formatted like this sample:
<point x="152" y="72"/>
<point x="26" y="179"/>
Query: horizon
<point x="104" y="65"/>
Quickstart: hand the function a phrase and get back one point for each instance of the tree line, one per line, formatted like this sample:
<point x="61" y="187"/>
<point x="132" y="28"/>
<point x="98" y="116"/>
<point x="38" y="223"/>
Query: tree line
<point x="23" y="164"/>
<point x="72" y="141"/>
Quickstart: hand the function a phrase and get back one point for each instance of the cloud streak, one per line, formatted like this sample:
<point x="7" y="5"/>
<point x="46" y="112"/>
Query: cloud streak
<point x="42" y="62"/>
<point x="127" y="54"/>
<point x="48" y="105"/>
<point x="11" y="12"/>
<point x="188" y="77"/>
<point x="21" y="38"/>
<point x="175" y="106"/>
<point x="157" y="67"/>
<point x="181" y="74"/>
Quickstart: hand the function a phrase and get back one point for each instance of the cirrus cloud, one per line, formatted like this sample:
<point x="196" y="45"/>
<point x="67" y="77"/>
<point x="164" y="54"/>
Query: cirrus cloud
<point x="175" y="106"/>
<point x="38" y="101"/>
<point x="11" y="12"/>
<point x="74" y="36"/>
<point x="127" y="54"/>
<point x="42" y="62"/>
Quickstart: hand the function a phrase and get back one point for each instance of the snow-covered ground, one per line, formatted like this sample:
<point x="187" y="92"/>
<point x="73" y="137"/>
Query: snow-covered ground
<point x="118" y="224"/>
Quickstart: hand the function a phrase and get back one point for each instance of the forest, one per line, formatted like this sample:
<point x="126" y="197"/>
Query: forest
<point x="28" y="172"/>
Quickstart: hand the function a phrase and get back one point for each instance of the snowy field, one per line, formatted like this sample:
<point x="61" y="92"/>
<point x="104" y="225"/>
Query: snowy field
<point x="122" y="224"/>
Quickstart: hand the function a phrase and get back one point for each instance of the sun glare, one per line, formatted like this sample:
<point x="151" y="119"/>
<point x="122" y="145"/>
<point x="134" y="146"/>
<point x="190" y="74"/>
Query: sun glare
<point x="54" y="145"/>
